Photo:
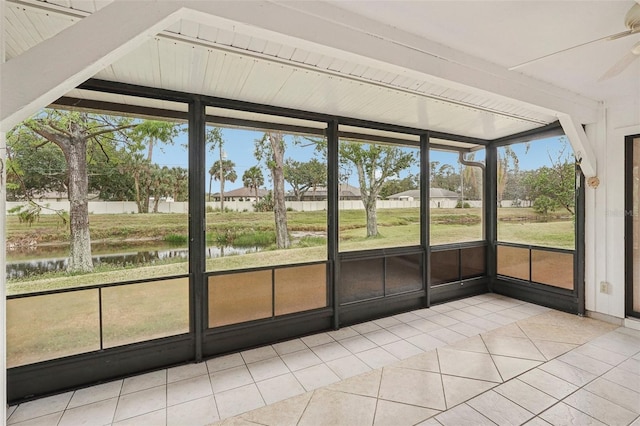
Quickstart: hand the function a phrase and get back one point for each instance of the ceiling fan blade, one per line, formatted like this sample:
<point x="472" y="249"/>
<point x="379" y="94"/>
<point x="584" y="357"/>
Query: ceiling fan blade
<point x="619" y="66"/>
<point x="523" y="64"/>
<point x="623" y="34"/>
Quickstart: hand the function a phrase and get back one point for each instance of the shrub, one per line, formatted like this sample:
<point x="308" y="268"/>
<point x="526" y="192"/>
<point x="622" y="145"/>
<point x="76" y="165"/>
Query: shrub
<point x="461" y="205"/>
<point x="311" y="241"/>
<point x="255" y="239"/>
<point x="265" y="204"/>
<point x="543" y="205"/>
<point x="176" y="239"/>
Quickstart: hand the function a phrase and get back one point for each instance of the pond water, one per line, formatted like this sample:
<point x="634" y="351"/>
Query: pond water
<point x="47" y="259"/>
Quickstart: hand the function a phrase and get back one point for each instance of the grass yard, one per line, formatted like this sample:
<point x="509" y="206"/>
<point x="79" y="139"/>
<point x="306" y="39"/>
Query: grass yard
<point x="397" y="227"/>
<point x="56" y="325"/>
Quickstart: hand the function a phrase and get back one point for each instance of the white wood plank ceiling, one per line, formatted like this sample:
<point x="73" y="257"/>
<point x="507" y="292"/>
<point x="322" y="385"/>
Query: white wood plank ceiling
<point x="195" y="58"/>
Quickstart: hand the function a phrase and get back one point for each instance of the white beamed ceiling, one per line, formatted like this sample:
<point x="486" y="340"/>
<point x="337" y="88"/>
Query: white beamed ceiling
<point x="194" y="58"/>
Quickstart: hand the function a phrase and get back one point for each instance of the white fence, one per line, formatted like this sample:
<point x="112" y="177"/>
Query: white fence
<point x="105" y="207"/>
<point x="128" y="207"/>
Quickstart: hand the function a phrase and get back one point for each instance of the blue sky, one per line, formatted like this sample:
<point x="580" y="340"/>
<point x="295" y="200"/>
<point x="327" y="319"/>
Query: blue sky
<point x="239" y="148"/>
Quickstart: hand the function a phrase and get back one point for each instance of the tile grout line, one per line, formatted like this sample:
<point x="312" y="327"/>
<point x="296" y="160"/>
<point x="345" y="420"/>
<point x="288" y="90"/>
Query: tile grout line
<point x="401" y="339"/>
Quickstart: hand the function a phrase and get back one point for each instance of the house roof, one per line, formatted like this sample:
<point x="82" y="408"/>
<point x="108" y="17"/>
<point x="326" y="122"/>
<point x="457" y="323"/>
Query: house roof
<point x="344" y="190"/>
<point x="442" y="193"/>
<point x="433" y="193"/>
<point x="243" y="192"/>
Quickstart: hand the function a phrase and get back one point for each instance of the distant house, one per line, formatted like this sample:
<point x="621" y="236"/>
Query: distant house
<point x="438" y="197"/>
<point x="410" y="195"/>
<point x="319" y="193"/>
<point x="241" y="194"/>
<point x="56" y="196"/>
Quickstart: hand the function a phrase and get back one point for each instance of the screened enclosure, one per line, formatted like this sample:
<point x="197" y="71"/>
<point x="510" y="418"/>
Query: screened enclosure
<point x="273" y="223"/>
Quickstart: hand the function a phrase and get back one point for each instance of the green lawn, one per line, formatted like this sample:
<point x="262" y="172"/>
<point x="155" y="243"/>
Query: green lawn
<point x="46" y="327"/>
<point x="397" y="227"/>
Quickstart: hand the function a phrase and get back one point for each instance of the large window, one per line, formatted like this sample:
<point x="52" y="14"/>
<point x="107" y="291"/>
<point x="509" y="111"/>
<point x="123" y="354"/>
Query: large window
<point x="536" y="193"/>
<point x="114" y="210"/>
<point x="633" y="226"/>
<point x="379" y="195"/>
<point x="110" y="218"/>
<point x="536" y="197"/>
<point x="456" y="196"/>
<point x="266" y="198"/>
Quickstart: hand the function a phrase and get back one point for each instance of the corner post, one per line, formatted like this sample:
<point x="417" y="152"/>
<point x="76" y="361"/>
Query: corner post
<point x="332" y="218"/>
<point x="491" y="211"/>
<point x="197" y="218"/>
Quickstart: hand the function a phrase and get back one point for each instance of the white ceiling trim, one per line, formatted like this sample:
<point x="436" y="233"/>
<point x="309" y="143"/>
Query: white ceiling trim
<point x="345" y="34"/>
<point x="137" y="24"/>
<point x="519" y="115"/>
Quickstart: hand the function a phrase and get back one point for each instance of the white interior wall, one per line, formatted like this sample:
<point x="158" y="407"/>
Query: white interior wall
<point x="605" y="209"/>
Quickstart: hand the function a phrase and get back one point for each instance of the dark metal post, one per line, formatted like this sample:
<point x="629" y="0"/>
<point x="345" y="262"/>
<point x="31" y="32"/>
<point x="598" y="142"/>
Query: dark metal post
<point x="332" y="217"/>
<point x="579" y="255"/>
<point x="425" y="215"/>
<point x="491" y="211"/>
<point x="197" y="218"/>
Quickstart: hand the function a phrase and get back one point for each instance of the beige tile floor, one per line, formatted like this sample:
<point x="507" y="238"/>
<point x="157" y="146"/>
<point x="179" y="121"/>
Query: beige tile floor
<point x="482" y="360"/>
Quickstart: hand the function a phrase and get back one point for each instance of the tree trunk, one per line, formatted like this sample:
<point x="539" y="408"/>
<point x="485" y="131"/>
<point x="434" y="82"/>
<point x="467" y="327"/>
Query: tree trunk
<point x="256" y="191"/>
<point x="145" y="201"/>
<point x="280" y="208"/>
<point x="369" y="200"/>
<point x="80" y="248"/>
<point x="136" y="183"/>
<point x="222" y="193"/>
<point x="210" y="182"/>
<point x="156" y="201"/>
<point x="152" y="142"/>
<point x="372" y="218"/>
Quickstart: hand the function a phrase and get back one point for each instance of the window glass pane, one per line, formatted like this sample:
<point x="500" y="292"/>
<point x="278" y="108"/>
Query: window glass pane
<point x="513" y="262"/>
<point x="51" y="326"/>
<point x="636" y="224"/>
<point x="240" y="297"/>
<point x="404" y="273"/>
<point x="361" y="280"/>
<point x="266" y="191"/>
<point x="552" y="268"/>
<point x="300" y="288"/>
<point x="473" y="262"/>
<point x="536" y="193"/>
<point x="136" y="170"/>
<point x="444" y="266"/>
<point x="379" y="195"/>
<point x="137" y="312"/>
<point x="456" y="197"/>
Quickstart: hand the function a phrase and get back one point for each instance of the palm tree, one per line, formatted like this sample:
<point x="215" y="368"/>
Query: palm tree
<point x="252" y="178"/>
<point x="223" y="171"/>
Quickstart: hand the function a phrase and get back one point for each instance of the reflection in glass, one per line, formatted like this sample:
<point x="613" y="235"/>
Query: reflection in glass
<point x="239" y="297"/>
<point x="403" y="274"/>
<point x="361" y="280"/>
<point x="513" y="262"/>
<point x="444" y="266"/>
<point x="51" y="326"/>
<point x="300" y="288"/>
<point x="552" y="268"/>
<point x="473" y="262"/>
<point x="138" y="312"/>
<point x="636" y="226"/>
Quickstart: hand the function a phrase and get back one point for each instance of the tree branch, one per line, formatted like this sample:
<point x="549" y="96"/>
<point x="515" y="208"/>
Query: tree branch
<point x="111" y="130"/>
